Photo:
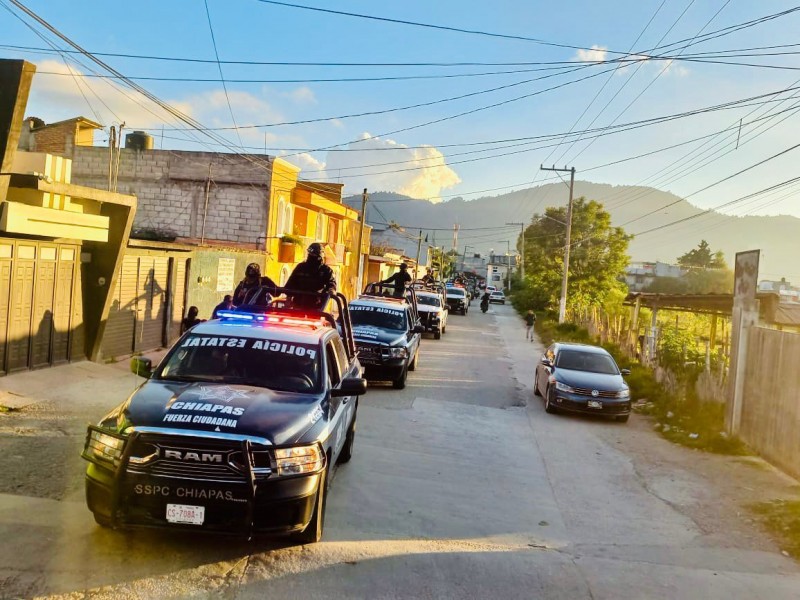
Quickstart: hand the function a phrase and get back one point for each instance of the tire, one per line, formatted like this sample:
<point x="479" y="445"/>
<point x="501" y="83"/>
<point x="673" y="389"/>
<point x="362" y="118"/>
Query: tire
<point x="313" y="531"/>
<point x="347" y="450"/>
<point x="548" y="407"/>
<point x="413" y="365"/>
<point x="444" y="329"/>
<point x="536" y="391"/>
<point x="400" y="383"/>
<point x="102" y="520"/>
<point x="622" y="418"/>
<point x="437" y="335"/>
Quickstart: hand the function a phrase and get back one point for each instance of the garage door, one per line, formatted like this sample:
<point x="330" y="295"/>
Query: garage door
<point x="37" y="283"/>
<point x="151" y="311"/>
<point x="150" y="289"/>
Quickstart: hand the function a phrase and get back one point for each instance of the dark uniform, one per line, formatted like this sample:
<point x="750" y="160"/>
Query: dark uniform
<point x="251" y="282"/>
<point x="399" y="280"/>
<point x="311" y="275"/>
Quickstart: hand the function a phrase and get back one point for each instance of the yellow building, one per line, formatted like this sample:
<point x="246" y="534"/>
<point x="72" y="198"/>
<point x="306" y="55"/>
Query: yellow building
<point x="303" y="212"/>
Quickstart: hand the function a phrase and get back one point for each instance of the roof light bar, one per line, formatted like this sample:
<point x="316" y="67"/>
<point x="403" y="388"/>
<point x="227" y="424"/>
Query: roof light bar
<point x="278" y="319"/>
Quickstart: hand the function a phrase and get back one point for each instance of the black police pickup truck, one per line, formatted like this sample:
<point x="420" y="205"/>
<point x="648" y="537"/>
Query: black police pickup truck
<point x="236" y="431"/>
<point x="387" y="334"/>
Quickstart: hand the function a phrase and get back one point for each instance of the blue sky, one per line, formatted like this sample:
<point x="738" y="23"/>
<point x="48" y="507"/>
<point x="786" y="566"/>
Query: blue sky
<point x="251" y="30"/>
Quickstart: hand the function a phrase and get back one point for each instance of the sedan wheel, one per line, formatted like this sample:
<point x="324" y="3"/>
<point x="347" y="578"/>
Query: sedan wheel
<point x="548" y="405"/>
<point x="536" y="391"/>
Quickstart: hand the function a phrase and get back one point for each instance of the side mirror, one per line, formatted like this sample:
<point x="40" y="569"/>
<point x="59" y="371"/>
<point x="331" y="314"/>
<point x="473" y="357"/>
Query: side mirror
<point x="418" y="329"/>
<point x="141" y="366"/>
<point x="350" y="386"/>
<point x="624" y="372"/>
<point x="546" y="362"/>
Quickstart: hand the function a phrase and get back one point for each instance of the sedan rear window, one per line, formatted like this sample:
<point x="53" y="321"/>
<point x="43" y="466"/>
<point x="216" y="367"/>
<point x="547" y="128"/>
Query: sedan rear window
<point x="586" y="361"/>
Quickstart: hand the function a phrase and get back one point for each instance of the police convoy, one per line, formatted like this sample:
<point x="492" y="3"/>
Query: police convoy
<point x="239" y="428"/>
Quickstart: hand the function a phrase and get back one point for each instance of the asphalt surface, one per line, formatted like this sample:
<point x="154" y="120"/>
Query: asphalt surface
<point x="461" y="486"/>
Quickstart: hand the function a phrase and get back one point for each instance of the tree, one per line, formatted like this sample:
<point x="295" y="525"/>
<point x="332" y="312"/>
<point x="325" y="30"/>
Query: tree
<point x="597" y="256"/>
<point x="702" y="258"/>
<point x="706" y="273"/>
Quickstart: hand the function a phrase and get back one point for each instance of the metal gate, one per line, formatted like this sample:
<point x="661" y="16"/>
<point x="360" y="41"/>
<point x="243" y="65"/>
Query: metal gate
<point x="149" y="293"/>
<point x="37" y="288"/>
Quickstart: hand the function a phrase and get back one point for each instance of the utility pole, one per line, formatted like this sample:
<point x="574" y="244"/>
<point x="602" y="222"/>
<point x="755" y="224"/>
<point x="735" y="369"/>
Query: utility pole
<point x="419" y="249"/>
<point x="360" y="280"/>
<point x="522" y="249"/>
<point x="562" y="304"/>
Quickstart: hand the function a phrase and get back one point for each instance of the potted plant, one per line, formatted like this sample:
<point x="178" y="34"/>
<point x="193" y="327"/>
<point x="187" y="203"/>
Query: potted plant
<point x="290" y="244"/>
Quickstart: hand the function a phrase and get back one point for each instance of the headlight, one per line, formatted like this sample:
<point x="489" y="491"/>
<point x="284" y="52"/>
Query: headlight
<point x="102" y="447"/>
<point x="626" y="393"/>
<point x="398" y="352"/>
<point x="299" y="460"/>
<point x="563" y="387"/>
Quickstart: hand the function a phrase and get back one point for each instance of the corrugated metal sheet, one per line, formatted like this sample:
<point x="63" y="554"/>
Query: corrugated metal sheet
<point x="121" y="324"/>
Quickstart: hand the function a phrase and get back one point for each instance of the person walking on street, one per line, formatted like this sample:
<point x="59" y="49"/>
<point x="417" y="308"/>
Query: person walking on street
<point x="251" y="282"/>
<point x="226" y="304"/>
<point x="311" y="275"/>
<point x="399" y="280"/>
<point x="530" y="319"/>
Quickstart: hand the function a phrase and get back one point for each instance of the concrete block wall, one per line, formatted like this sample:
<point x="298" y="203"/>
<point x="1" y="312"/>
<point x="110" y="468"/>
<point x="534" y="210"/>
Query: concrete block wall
<point x="171" y="190"/>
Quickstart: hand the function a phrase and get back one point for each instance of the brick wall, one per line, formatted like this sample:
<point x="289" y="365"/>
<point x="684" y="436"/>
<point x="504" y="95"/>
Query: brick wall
<point x="171" y="190"/>
<point x="55" y="139"/>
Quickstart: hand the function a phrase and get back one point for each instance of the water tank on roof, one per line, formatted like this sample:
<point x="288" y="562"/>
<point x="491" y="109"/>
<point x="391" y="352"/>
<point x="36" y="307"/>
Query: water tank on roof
<point x="139" y="140"/>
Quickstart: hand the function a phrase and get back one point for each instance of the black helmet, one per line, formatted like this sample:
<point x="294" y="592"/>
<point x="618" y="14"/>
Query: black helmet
<point x="315" y="249"/>
<point x="253" y="270"/>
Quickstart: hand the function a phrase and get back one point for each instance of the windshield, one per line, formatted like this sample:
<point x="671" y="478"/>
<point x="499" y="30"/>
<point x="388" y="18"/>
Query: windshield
<point x="586" y="361"/>
<point x="282" y="366"/>
<point x="455" y="292"/>
<point x="378" y="316"/>
<point x="428" y="300"/>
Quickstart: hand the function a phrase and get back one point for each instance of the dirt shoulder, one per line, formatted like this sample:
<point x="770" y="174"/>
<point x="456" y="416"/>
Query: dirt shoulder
<point x="716" y="491"/>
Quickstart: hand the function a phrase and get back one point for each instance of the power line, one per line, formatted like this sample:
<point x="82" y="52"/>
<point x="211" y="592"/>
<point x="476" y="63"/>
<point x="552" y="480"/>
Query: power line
<point x="219" y="67"/>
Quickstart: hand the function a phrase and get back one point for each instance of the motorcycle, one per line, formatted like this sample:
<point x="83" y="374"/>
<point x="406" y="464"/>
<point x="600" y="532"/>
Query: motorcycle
<point x="484" y="304"/>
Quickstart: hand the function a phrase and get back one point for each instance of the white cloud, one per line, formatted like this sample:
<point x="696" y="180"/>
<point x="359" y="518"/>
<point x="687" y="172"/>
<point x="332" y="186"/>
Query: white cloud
<point x="62" y="96"/>
<point x="302" y="95"/>
<point x="676" y="69"/>
<point x="420" y="172"/>
<point x="596" y="54"/>
<point x="56" y="97"/>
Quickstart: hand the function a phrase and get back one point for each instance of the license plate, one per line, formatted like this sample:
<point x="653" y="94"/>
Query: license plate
<point x="184" y="513"/>
<point x="595" y="404"/>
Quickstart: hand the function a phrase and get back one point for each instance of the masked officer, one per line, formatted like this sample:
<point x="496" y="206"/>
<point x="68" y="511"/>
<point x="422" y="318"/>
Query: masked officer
<point x="251" y="282"/>
<point x="399" y="280"/>
<point x="311" y="275"/>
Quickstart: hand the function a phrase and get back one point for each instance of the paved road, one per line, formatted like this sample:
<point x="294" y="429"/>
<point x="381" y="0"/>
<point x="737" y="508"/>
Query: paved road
<point x="457" y="490"/>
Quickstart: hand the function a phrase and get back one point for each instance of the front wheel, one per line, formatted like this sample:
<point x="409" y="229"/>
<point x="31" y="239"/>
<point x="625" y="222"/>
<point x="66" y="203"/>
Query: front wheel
<point x="437" y="335"/>
<point x="536" y="391"/>
<point x="413" y="365"/>
<point x="349" y="441"/>
<point x="102" y="520"/>
<point x="548" y="405"/>
<point x="313" y="531"/>
<point x="400" y="382"/>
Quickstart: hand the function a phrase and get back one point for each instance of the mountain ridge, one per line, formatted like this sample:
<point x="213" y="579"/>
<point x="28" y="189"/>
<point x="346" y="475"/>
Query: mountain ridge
<point x="778" y="237"/>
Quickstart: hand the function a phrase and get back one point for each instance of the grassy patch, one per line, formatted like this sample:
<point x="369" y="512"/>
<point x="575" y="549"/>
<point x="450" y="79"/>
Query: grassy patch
<point x="782" y="518"/>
